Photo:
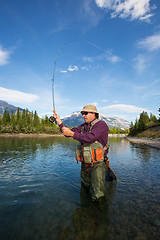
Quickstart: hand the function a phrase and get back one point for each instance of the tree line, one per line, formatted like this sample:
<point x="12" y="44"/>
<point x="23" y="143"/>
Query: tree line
<point x="29" y="122"/>
<point x="26" y="122"/>
<point x="118" y="131"/>
<point x="145" y="121"/>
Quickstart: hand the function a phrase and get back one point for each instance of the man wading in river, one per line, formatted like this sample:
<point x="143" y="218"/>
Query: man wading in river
<point x="92" y="151"/>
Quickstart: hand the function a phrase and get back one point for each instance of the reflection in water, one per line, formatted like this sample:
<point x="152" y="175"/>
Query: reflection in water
<point x="41" y="196"/>
<point x="91" y="220"/>
<point x="142" y="151"/>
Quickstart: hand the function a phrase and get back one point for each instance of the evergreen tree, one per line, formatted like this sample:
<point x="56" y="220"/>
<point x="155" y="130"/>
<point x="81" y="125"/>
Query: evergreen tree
<point x="12" y="117"/>
<point x="36" y="120"/>
<point x="27" y="122"/>
<point x="132" y="129"/>
<point x="46" y="120"/>
<point x="13" y="121"/>
<point x="28" y="118"/>
<point x="24" y="115"/>
<point x="143" y="121"/>
<point x="136" y="126"/>
<point x="18" y="116"/>
<point x="0" y="122"/>
<point x="153" y="118"/>
<point x="6" y="118"/>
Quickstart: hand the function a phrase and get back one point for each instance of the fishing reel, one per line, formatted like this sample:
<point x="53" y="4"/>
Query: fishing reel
<point x="52" y="119"/>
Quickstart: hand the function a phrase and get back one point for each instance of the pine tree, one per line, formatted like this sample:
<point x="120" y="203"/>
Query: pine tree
<point x="136" y="126"/>
<point x="18" y="116"/>
<point x="153" y="118"/>
<point x="0" y="122"/>
<point x="24" y="115"/>
<point x="36" y="122"/>
<point x="13" y="121"/>
<point x="5" y="118"/>
<point x="46" y="120"/>
<point x="143" y="121"/>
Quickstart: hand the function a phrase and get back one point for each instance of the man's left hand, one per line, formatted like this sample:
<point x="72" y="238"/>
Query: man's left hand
<point x="67" y="132"/>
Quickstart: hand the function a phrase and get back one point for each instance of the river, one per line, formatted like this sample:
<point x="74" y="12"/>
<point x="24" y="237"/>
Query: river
<point x="41" y="196"/>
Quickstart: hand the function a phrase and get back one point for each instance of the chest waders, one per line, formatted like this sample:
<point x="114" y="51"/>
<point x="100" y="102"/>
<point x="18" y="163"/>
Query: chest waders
<point x="93" y="167"/>
<point x="91" y="153"/>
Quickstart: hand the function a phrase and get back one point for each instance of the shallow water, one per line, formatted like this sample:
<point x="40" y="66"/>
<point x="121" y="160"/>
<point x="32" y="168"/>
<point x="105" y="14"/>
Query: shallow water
<point x="41" y="195"/>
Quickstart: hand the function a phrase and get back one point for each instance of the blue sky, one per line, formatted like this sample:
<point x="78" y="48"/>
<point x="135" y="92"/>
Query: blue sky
<point x="110" y="57"/>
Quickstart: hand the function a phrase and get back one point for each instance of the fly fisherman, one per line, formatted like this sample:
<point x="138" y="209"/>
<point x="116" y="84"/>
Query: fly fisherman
<point x="92" y="151"/>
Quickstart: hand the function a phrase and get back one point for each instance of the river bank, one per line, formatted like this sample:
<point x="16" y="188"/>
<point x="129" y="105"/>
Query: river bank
<point x="30" y="135"/>
<point x="46" y="135"/>
<point x="155" y="143"/>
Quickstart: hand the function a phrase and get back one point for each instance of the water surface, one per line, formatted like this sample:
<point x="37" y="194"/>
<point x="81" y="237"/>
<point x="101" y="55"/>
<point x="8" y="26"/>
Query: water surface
<point x="41" y="195"/>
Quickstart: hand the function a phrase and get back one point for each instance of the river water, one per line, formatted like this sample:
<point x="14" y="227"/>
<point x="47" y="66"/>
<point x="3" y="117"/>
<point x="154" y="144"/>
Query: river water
<point x="41" y="196"/>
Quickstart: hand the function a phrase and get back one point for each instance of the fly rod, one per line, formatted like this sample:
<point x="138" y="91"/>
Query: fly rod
<point x="52" y="119"/>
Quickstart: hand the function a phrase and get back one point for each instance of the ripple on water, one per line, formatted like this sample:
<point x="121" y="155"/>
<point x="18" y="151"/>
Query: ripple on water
<point x="41" y="194"/>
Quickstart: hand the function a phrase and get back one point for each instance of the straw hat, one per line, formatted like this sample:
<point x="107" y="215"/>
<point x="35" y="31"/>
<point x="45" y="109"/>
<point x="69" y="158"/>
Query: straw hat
<point x="90" y="108"/>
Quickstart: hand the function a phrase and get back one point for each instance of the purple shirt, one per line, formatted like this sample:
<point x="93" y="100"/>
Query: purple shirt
<point x="99" y="132"/>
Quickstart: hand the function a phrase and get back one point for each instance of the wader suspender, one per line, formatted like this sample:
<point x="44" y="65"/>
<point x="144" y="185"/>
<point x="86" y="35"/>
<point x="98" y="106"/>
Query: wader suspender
<point x="92" y="124"/>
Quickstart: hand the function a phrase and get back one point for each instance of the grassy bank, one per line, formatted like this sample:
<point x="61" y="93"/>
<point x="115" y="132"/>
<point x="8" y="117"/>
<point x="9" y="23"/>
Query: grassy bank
<point x="152" y="132"/>
<point x="149" y="137"/>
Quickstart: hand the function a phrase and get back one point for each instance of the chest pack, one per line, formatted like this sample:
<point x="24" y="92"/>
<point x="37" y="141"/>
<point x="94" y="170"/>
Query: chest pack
<point x="91" y="152"/>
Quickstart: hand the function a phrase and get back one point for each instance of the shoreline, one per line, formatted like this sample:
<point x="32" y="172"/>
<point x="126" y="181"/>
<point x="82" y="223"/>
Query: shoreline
<point x="46" y="135"/>
<point x="154" y="143"/>
<point x="30" y="135"/>
<point x="117" y="135"/>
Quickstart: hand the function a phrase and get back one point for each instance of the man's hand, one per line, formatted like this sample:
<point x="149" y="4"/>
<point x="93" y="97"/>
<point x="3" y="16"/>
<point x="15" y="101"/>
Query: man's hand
<point x="57" y="117"/>
<point x="67" y="132"/>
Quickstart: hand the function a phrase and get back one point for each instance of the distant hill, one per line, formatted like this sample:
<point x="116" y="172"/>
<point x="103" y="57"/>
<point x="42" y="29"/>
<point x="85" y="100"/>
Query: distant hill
<point x="76" y="119"/>
<point x="4" y="105"/>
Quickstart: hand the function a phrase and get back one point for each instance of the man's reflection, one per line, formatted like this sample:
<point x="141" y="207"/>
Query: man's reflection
<point x="91" y="219"/>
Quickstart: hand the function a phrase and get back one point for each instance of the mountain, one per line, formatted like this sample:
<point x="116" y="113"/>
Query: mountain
<point x="76" y="119"/>
<point x="4" y="105"/>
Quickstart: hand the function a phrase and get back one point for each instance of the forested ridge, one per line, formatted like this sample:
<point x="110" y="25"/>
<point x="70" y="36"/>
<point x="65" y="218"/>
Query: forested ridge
<point x="28" y="122"/>
<point x="145" y="124"/>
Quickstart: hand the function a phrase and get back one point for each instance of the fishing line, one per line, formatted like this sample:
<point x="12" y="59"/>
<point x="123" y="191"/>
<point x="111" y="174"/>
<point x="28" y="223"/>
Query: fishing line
<point x="54" y="67"/>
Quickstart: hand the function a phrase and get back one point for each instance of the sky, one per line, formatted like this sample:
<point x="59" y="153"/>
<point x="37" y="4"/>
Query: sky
<point x="102" y="52"/>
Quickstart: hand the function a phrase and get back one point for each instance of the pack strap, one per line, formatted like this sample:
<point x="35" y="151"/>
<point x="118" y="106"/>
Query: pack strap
<point x="92" y="124"/>
<point x="106" y="147"/>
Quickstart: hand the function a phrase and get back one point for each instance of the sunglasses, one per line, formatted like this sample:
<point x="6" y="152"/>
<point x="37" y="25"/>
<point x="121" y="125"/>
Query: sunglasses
<point x="84" y="113"/>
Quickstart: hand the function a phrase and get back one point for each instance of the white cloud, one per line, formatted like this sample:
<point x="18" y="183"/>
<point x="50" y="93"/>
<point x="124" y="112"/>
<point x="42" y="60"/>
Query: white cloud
<point x="104" y="3"/>
<point x="150" y="43"/>
<point x="125" y="108"/>
<point x="89" y="14"/>
<point x="85" y="68"/>
<point x="152" y="94"/>
<point x="135" y="9"/>
<point x="114" y="59"/>
<point x="107" y="56"/>
<point x="73" y="68"/>
<point x="88" y="59"/>
<point x="15" y="96"/>
<point x="4" y="56"/>
<point x="140" y="63"/>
